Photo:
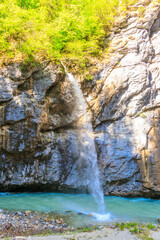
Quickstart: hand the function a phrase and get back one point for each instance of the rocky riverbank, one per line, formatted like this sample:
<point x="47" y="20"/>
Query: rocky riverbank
<point x="39" y="226"/>
<point x="30" y="223"/>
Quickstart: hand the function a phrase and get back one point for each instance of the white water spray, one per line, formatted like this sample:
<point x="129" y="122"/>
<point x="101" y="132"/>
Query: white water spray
<point x="87" y="164"/>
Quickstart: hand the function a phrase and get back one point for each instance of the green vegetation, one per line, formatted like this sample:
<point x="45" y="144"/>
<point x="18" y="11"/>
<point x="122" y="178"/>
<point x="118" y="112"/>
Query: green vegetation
<point x="141" y="230"/>
<point x="151" y="226"/>
<point x="87" y="228"/>
<point x="75" y="30"/>
<point x="141" y="11"/>
<point x="141" y="114"/>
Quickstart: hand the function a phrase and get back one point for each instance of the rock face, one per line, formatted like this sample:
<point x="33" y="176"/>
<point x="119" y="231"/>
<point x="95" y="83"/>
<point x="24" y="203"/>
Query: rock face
<point x="127" y="110"/>
<point x="39" y="146"/>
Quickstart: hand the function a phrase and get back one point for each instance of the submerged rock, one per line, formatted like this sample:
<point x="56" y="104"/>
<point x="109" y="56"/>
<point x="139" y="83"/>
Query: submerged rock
<point x="90" y="215"/>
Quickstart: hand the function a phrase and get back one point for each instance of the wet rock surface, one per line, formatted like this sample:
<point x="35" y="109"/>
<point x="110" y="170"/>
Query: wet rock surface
<point x="39" y="144"/>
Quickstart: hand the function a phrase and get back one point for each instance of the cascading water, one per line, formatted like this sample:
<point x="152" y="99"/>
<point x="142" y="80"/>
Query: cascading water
<point x="87" y="164"/>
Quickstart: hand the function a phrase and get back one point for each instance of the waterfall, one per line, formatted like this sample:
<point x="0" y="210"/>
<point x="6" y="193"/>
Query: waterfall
<point x="87" y="166"/>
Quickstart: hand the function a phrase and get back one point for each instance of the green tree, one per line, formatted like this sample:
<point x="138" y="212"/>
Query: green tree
<point x="28" y="3"/>
<point x="75" y="30"/>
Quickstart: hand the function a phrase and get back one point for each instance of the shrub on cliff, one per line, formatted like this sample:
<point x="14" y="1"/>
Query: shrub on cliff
<point x="56" y="29"/>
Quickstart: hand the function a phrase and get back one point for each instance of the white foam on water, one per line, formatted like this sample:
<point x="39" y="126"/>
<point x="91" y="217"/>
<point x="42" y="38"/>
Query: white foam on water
<point x="102" y="217"/>
<point x="98" y="216"/>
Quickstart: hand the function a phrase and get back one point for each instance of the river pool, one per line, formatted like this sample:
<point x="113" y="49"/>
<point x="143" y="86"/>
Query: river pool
<point x="81" y="208"/>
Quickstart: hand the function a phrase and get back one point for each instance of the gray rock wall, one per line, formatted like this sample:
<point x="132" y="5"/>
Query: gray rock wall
<point x="39" y="146"/>
<point x="127" y="110"/>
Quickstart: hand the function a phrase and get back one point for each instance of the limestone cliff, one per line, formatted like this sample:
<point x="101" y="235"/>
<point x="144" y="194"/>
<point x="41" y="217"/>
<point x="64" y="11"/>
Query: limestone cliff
<point x="39" y="145"/>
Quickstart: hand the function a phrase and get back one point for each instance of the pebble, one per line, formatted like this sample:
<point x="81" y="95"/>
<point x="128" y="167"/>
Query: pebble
<point x="19" y="223"/>
<point x="27" y="212"/>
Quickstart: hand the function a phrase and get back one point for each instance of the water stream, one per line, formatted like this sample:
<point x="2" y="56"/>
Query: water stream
<point x="87" y="164"/>
<point x="120" y="209"/>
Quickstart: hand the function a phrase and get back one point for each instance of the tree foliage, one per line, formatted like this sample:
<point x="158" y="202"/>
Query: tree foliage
<point x="56" y="29"/>
<point x="26" y="4"/>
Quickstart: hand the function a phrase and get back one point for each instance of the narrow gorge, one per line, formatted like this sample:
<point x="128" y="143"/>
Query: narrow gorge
<point x="46" y="120"/>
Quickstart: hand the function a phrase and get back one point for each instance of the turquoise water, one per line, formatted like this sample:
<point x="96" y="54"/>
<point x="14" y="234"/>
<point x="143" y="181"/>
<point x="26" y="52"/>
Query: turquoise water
<point x="117" y="208"/>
